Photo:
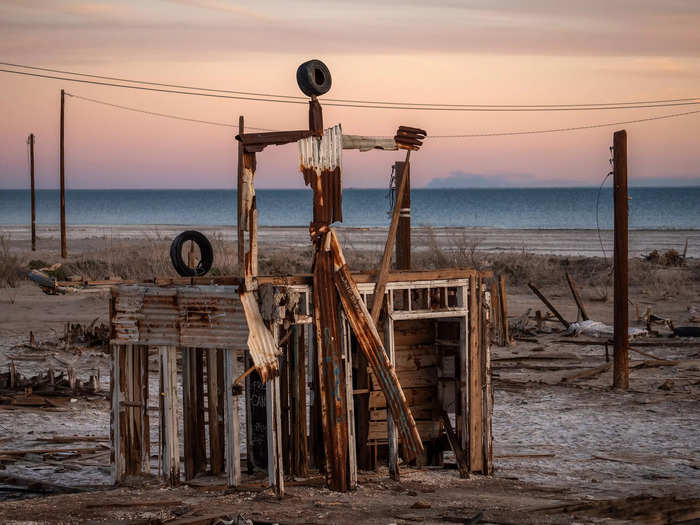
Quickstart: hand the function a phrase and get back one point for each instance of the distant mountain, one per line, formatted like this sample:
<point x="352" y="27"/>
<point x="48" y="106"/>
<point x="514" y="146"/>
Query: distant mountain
<point x="461" y="179"/>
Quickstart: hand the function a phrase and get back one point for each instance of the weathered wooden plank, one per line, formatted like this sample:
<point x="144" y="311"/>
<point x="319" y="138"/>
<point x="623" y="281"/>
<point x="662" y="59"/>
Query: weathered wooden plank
<point x="116" y="396"/>
<point x="485" y="350"/>
<point x="370" y="343"/>
<point x="456" y="448"/>
<point x="216" y="414"/>
<point x="426" y="429"/>
<point x="476" y="393"/>
<point x="385" y="264"/>
<point x="366" y="143"/>
<point x="331" y="373"/>
<point x="392" y="434"/>
<point x="347" y="355"/>
<point x="170" y="448"/>
<point x="231" y="421"/>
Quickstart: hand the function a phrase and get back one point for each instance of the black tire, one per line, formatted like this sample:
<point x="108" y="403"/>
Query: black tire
<point x="314" y="78"/>
<point x="205" y="250"/>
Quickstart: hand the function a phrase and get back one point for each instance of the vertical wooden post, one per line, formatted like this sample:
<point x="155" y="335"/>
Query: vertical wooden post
<point x="503" y="308"/>
<point x="403" y="232"/>
<point x="392" y="433"/>
<point x="116" y="430"/>
<point x="467" y="341"/>
<point x="31" y="179"/>
<point x="63" y="177"/>
<point x="347" y="354"/>
<point x="476" y="392"/>
<point x="240" y="226"/>
<point x="232" y="422"/>
<point x="275" y="467"/>
<point x="169" y="446"/>
<point x="216" y="413"/>
<point x="621" y="370"/>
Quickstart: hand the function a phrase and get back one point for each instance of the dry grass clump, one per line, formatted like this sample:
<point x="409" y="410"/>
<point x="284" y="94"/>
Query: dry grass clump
<point x="10" y="269"/>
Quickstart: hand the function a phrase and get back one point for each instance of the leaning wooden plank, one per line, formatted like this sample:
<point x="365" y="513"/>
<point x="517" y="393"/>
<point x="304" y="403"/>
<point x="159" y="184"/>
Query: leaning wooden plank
<point x="549" y="305"/>
<point x="577" y="297"/>
<point x="370" y="343"/>
<point x="263" y="349"/>
<point x="389" y="247"/>
<point x="364" y="143"/>
<point x="459" y="453"/>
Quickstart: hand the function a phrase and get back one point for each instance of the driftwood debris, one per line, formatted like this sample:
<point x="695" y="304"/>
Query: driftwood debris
<point x="549" y="305"/>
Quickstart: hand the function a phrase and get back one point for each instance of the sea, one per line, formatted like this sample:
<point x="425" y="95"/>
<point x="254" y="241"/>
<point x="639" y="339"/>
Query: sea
<point x="530" y="208"/>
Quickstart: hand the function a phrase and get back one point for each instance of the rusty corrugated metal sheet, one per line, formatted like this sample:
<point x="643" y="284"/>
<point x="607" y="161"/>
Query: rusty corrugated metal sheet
<point x="199" y="316"/>
<point x="261" y="344"/>
<point x="321" y="162"/>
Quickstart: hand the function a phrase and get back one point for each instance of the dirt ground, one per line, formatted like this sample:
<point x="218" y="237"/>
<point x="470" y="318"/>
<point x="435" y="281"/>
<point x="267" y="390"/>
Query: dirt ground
<point x="566" y="449"/>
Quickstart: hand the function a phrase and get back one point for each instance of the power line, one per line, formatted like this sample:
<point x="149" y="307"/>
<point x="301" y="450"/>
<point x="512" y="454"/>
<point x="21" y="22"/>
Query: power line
<point x="467" y="135"/>
<point x="165" y="115"/>
<point x="597" y="105"/>
<point x="555" y="130"/>
<point x="359" y="105"/>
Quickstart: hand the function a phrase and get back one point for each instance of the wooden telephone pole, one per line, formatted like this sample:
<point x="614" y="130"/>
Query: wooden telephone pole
<point x="403" y="232"/>
<point x="30" y="141"/>
<point x="63" y="180"/>
<point x="621" y="368"/>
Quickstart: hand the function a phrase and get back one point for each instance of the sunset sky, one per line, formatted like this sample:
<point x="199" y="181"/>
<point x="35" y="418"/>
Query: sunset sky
<point x="458" y="52"/>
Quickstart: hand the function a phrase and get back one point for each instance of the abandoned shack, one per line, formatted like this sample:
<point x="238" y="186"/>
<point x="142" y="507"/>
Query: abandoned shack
<point x="334" y="371"/>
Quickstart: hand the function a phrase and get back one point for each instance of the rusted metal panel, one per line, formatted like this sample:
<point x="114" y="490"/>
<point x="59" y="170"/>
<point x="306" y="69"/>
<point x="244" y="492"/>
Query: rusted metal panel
<point x="321" y="162"/>
<point x="198" y="316"/>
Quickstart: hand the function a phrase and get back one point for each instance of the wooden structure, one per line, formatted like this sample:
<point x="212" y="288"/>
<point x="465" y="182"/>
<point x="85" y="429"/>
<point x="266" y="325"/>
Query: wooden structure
<point x="435" y="332"/>
<point x="316" y="326"/>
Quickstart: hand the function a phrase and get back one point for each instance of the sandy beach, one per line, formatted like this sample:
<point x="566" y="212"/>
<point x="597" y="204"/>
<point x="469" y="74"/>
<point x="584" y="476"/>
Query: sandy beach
<point x="555" y="242"/>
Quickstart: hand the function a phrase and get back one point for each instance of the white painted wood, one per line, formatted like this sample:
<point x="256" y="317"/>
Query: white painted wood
<point x="275" y="466"/>
<point x="452" y="311"/>
<point x="347" y="355"/>
<point x="232" y="440"/>
<point x="392" y="433"/>
<point x="463" y="417"/>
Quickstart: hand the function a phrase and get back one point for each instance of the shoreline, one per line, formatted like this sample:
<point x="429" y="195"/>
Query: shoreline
<point x="567" y="242"/>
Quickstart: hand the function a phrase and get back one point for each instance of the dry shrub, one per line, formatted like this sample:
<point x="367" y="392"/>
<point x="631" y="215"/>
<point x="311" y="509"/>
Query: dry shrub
<point x="10" y="269"/>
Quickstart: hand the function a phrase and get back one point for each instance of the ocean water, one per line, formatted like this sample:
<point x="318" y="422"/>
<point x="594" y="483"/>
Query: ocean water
<point x="547" y="208"/>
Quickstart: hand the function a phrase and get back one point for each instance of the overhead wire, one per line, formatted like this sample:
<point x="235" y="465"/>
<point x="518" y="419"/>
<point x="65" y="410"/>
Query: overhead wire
<point x="467" y="135"/>
<point x="165" y="115"/>
<point x="556" y="130"/>
<point x="266" y="98"/>
<point x="354" y="101"/>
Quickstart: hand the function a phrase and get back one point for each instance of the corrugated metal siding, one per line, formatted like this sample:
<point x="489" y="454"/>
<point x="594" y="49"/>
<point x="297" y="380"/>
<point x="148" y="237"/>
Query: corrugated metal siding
<point x="198" y="316"/>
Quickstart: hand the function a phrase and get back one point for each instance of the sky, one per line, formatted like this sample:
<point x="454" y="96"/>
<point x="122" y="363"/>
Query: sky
<point x="450" y="52"/>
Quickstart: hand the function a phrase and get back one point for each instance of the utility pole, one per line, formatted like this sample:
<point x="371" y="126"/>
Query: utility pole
<point x="30" y="141"/>
<point x="621" y="368"/>
<point x="403" y="232"/>
<point x="63" y="179"/>
<point x="240" y="227"/>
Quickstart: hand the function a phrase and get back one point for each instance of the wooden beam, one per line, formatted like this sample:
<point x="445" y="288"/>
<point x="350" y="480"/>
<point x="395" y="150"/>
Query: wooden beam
<point x="231" y="421"/>
<point x="216" y="414"/>
<point x="116" y="430"/>
<point x="577" y="296"/>
<point x="62" y="176"/>
<point x="503" y="308"/>
<point x="403" y="231"/>
<point x="549" y="305"/>
<point x="392" y="434"/>
<point x="385" y="265"/>
<point x="347" y="355"/>
<point x="240" y="223"/>
<point x="169" y="446"/>
<point x="621" y="368"/>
